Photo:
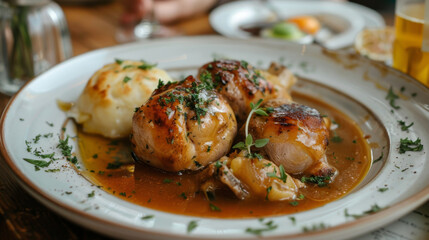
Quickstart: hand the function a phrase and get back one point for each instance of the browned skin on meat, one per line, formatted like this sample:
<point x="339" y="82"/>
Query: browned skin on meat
<point x="239" y="83"/>
<point x="298" y="137"/>
<point x="174" y="133"/>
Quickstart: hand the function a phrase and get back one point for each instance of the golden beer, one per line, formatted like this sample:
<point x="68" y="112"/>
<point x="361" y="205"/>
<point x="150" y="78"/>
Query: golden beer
<point x="407" y="47"/>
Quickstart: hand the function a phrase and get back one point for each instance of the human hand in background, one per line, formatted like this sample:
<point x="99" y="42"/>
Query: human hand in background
<point x="164" y="11"/>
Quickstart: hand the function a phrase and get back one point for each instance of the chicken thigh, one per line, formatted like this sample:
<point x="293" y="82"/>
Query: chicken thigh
<point x="298" y="137"/>
<point x="240" y="83"/>
<point x="183" y="126"/>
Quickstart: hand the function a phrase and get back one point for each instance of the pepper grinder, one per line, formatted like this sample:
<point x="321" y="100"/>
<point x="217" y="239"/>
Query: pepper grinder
<point x="34" y="37"/>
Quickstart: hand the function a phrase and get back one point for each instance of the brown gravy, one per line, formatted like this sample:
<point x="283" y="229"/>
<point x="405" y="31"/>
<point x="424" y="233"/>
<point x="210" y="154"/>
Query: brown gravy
<point x="155" y="189"/>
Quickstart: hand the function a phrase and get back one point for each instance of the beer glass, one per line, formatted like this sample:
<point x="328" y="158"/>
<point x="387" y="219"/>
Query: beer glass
<point x="411" y="45"/>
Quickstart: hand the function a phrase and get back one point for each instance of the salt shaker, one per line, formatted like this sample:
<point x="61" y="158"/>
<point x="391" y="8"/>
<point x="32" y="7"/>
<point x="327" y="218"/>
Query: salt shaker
<point x="33" y="37"/>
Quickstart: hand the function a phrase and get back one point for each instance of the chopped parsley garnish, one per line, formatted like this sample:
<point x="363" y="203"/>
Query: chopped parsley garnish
<point x="283" y="175"/>
<point x="214" y="207"/>
<point x="293" y="220"/>
<point x="197" y="164"/>
<point x="383" y="189"/>
<point x="244" y="64"/>
<point x="114" y="165"/>
<point x="37" y="138"/>
<point x="374" y="208"/>
<point x="218" y="164"/>
<point x="336" y="139"/>
<point x="49" y="124"/>
<point x="294" y="203"/>
<point x="95" y="156"/>
<point x="167" y="180"/>
<point x="147" y="217"/>
<point x="92" y="194"/>
<point x="404" y="126"/>
<point x="209" y="148"/>
<point x="126" y="79"/>
<point x="391" y="96"/>
<point x="147" y="66"/>
<point x="268" y="192"/>
<point x="118" y="61"/>
<point x="268" y="226"/>
<point x="191" y="226"/>
<point x="410" y="145"/>
<point x="379" y="158"/>
<point x="183" y="195"/>
<point x="52" y="170"/>
<point x="321" y="181"/>
<point x="160" y="84"/>
<point x="248" y="143"/>
<point x="66" y="149"/>
<point x="313" y="228"/>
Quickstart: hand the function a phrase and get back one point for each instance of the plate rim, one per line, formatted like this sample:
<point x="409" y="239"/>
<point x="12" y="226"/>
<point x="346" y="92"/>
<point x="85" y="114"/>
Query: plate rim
<point x="369" y="222"/>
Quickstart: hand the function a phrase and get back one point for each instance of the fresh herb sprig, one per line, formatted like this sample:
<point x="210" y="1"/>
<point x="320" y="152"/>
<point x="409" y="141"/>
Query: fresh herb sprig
<point x="248" y="143"/>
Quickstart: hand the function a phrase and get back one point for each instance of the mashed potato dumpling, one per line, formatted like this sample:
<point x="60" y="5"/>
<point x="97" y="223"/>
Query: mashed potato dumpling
<point x="111" y="95"/>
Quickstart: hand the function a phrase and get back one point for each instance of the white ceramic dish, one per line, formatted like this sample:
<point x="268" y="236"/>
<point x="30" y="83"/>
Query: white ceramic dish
<point x="228" y="18"/>
<point x="353" y="84"/>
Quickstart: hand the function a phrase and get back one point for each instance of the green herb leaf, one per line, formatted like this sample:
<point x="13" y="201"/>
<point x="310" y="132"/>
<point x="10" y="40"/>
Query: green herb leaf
<point x="261" y="142"/>
<point x="404" y="126"/>
<point x="126" y="79"/>
<point x="268" y="226"/>
<point x="239" y="145"/>
<point x="118" y="61"/>
<point x="92" y="194"/>
<point x="391" y="96"/>
<point x="38" y="163"/>
<point x="191" y="226"/>
<point x="147" y="217"/>
<point x="268" y="192"/>
<point x="379" y="158"/>
<point x="214" y="208"/>
<point x="261" y="112"/>
<point x="321" y="181"/>
<point x="147" y="66"/>
<point x="374" y="208"/>
<point x="249" y="140"/>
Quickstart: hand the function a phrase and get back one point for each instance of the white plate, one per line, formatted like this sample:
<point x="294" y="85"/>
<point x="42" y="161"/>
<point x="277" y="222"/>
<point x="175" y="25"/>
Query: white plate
<point x="228" y="18"/>
<point x="353" y="84"/>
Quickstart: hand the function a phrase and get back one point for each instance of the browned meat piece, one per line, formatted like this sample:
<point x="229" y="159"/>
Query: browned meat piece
<point x="240" y="83"/>
<point x="298" y="137"/>
<point x="183" y="126"/>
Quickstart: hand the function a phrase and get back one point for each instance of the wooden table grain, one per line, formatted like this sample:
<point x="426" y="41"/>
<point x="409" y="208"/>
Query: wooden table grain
<point x="21" y="216"/>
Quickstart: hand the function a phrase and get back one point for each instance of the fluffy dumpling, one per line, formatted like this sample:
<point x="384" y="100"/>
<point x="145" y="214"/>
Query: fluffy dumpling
<point x="107" y="104"/>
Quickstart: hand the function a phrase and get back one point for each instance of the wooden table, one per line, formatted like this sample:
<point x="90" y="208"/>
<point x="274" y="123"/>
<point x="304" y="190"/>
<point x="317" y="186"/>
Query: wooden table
<point x="21" y="216"/>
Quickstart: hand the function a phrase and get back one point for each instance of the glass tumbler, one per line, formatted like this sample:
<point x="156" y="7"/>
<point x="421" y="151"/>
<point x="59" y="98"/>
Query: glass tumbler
<point x="34" y="37"/>
<point x="411" y="45"/>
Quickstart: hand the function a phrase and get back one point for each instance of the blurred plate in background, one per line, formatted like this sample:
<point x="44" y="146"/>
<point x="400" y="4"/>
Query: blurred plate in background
<point x="341" y="22"/>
